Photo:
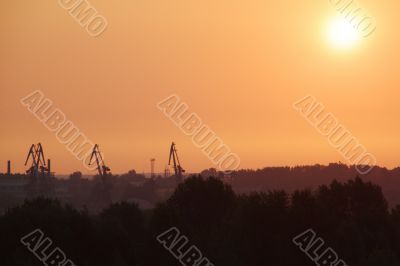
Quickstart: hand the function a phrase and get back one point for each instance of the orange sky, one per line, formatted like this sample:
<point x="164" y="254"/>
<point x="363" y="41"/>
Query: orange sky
<point x="239" y="65"/>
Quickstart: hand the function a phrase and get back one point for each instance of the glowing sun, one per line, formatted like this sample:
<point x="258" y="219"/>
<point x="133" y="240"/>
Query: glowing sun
<point x="341" y="34"/>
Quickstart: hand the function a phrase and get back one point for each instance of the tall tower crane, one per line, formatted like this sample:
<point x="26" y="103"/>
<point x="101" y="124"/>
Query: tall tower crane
<point x="173" y="155"/>
<point x="38" y="162"/>
<point x="101" y="167"/>
<point x="39" y="172"/>
<point x="102" y="190"/>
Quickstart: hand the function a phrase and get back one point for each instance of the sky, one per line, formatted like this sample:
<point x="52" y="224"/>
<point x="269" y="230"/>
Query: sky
<point x="239" y="65"/>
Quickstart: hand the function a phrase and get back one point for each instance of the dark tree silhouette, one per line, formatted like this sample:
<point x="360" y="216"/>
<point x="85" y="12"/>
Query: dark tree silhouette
<point x="352" y="217"/>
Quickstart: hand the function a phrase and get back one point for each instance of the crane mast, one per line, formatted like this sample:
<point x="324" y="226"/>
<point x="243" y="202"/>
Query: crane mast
<point x="39" y="173"/>
<point x="98" y="158"/>
<point x="102" y="190"/>
<point x="38" y="164"/>
<point x="173" y="156"/>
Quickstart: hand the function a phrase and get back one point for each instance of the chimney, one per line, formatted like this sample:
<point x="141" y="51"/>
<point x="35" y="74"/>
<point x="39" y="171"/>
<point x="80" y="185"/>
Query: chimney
<point x="9" y="167"/>
<point x="49" y="166"/>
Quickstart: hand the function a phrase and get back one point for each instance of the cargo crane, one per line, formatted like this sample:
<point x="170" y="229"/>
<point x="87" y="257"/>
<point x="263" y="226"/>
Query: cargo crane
<point x="39" y="173"/>
<point x="101" y="167"/>
<point x="102" y="189"/>
<point x="38" y="161"/>
<point x="173" y="154"/>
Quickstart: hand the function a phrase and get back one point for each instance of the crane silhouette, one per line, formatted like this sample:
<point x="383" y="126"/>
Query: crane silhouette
<point x="173" y="156"/>
<point x="101" y="166"/>
<point x="38" y="162"/>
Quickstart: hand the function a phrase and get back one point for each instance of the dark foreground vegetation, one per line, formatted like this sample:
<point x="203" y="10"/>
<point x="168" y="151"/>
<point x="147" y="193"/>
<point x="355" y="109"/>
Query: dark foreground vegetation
<point x="292" y="178"/>
<point x="352" y="217"/>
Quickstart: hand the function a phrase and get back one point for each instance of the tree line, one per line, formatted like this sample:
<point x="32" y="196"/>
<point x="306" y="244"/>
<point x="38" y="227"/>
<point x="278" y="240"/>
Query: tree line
<point x="353" y="217"/>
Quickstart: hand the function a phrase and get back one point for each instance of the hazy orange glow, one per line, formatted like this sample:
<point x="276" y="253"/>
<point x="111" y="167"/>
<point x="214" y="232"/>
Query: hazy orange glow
<point x="239" y="65"/>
